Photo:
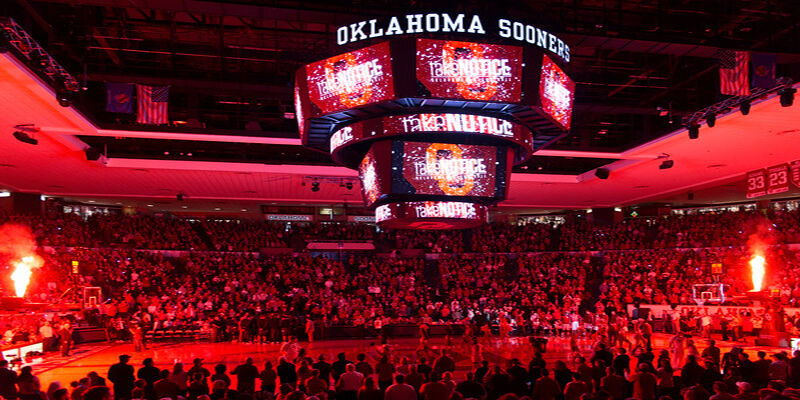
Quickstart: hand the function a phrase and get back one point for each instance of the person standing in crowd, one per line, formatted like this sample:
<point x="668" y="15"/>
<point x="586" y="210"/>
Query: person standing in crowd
<point x="401" y="390"/>
<point x="349" y="383"/>
<point x="150" y="374"/>
<point x="268" y="378"/>
<point x="546" y="388"/>
<point x="8" y="382"/>
<point x="28" y="385"/>
<point x="137" y="336"/>
<point x="198" y="368"/>
<point x="287" y="373"/>
<point x="180" y="377"/>
<point x="48" y="336"/>
<point x="121" y="375"/>
<point x="385" y="371"/>
<point x="310" y="329"/>
<point x="65" y="337"/>
<point x="247" y="374"/>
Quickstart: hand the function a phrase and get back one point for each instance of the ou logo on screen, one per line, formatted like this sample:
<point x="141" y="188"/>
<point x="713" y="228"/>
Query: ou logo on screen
<point x="464" y="64"/>
<point x="351" y="80"/>
<point x="430" y="225"/>
<point x="455" y="178"/>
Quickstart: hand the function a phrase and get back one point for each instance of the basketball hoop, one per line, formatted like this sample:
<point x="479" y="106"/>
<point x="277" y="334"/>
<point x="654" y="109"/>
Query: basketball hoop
<point x="699" y="301"/>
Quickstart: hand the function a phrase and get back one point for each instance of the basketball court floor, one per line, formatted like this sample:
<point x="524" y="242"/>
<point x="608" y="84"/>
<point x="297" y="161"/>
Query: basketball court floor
<point x="98" y="357"/>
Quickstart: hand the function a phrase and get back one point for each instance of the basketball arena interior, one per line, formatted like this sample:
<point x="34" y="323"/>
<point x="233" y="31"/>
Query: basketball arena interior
<point x="399" y="200"/>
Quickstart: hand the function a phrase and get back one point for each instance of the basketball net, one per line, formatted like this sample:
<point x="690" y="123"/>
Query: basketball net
<point x="699" y="301"/>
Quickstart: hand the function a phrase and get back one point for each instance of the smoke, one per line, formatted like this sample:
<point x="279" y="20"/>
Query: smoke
<point x="762" y="238"/>
<point x="17" y="241"/>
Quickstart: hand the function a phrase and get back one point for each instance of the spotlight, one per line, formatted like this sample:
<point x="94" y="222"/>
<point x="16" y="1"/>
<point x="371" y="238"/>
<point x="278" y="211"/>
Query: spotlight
<point x="349" y="185"/>
<point x="602" y="173"/>
<point x="25" y="138"/>
<point x="64" y="98"/>
<point x="666" y="164"/>
<point x="315" y="186"/>
<point x="711" y="119"/>
<point x="92" y="154"/>
<point x="694" y="131"/>
<point x="787" y="96"/>
<point x="745" y="107"/>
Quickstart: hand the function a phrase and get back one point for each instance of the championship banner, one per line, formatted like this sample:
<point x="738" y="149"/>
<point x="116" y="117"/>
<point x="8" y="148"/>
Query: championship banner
<point x="470" y="71"/>
<point x="756" y="183"/>
<point x="795" y="173"/>
<point x="778" y="179"/>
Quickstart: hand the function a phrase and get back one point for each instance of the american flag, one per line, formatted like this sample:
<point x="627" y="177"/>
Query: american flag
<point x="152" y="104"/>
<point x="733" y="72"/>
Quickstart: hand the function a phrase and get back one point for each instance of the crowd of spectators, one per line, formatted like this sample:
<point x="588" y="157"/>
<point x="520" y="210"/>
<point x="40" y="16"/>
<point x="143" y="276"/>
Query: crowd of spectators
<point x="531" y="279"/>
<point x="575" y="234"/>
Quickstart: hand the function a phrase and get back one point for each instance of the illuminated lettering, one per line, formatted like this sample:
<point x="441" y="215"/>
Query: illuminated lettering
<point x="414" y="23"/>
<point x="372" y="32"/>
<point x="450" y="25"/>
<point x="356" y="31"/>
<point x="394" y="27"/>
<point x="432" y="22"/>
<point x="505" y="28"/>
<point x="383" y="213"/>
<point x="552" y="40"/>
<point x="444" y="22"/>
<point x="341" y="35"/>
<point x="475" y="26"/>
<point x="341" y="137"/>
<point x="542" y="38"/>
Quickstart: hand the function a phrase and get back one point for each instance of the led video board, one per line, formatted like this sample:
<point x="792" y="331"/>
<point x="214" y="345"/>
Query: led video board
<point x="448" y="169"/>
<point x="556" y="93"/>
<point x="480" y="129"/>
<point x="431" y="215"/>
<point x="371" y="172"/>
<point x="470" y="71"/>
<point x="351" y="79"/>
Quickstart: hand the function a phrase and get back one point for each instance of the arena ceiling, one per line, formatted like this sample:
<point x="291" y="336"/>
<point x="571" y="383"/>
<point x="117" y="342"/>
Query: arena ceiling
<point x="58" y="165"/>
<point x="230" y="64"/>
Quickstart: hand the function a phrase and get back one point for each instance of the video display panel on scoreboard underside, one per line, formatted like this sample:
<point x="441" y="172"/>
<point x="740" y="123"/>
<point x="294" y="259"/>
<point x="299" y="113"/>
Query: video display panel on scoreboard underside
<point x="470" y="71"/>
<point x="557" y="93"/>
<point x="351" y="79"/>
<point x="448" y="169"/>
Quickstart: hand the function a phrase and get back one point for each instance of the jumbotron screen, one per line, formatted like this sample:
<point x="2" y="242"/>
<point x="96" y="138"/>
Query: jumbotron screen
<point x="431" y="215"/>
<point x="557" y="92"/>
<point x="351" y="79"/>
<point x="448" y="169"/>
<point x="470" y="71"/>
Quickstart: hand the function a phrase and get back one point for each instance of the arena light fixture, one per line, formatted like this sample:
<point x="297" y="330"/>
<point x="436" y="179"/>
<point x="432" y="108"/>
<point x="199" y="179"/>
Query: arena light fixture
<point x="711" y="119"/>
<point x="694" y="131"/>
<point x="745" y="107"/>
<point x="787" y="96"/>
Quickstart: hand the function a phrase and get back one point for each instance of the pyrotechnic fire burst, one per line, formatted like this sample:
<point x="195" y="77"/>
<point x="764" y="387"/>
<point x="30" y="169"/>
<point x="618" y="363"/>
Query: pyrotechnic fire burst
<point x="23" y="270"/>
<point x="757" y="271"/>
